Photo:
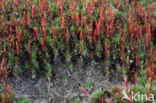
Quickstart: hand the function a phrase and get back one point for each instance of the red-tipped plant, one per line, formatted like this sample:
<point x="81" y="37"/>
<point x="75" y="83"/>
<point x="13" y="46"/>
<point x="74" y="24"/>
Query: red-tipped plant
<point x="9" y="94"/>
<point x="148" y="95"/>
<point x="136" y="80"/>
<point x="29" y="52"/>
<point x="119" y="91"/>
<point x="40" y="7"/>
<point x="95" y="38"/>
<point x="102" y="99"/>
<point x="12" y="2"/>
<point x="81" y="38"/>
<point x="153" y="8"/>
<point x="54" y="34"/>
<point x="28" y="19"/>
<point x="150" y="74"/>
<point x="77" y="23"/>
<point x="151" y="55"/>
<point x="126" y="83"/>
<point x="3" y="98"/>
<point x="34" y="12"/>
<point x="123" y="42"/>
<point x="17" y="49"/>
<point x="137" y="61"/>
<point x="85" y="92"/>
<point x="67" y="40"/>
<point x="2" y="66"/>
<point x="140" y="32"/>
<point x="63" y="26"/>
<point x="130" y="98"/>
<point x="123" y="54"/>
<point x="10" y="31"/>
<point x="3" y="25"/>
<point x="106" y="50"/>
<point x="6" y="77"/>
<point x="44" y="5"/>
<point x="133" y="9"/>
<point x="117" y="4"/>
<point x="50" y="13"/>
<point x="152" y="66"/>
<point x="107" y="31"/>
<point x="111" y="101"/>
<point x="127" y="3"/>
<point x="24" y="20"/>
<point x="147" y="68"/>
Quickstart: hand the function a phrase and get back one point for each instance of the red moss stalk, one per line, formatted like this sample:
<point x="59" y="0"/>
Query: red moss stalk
<point x="81" y="39"/>
<point x="127" y="3"/>
<point x="106" y="50"/>
<point x="152" y="66"/>
<point x="40" y="7"/>
<point x="136" y="80"/>
<point x="67" y="40"/>
<point x="107" y="31"/>
<point x="2" y="66"/>
<point x="34" y="12"/>
<point x="147" y="68"/>
<point x="77" y="24"/>
<point x="119" y="91"/>
<point x="153" y="8"/>
<point x="111" y="101"/>
<point x="9" y="94"/>
<point x="126" y="83"/>
<point x="17" y="49"/>
<point x="123" y="54"/>
<point x="29" y="52"/>
<point x="6" y="77"/>
<point x="148" y="95"/>
<point x="28" y="18"/>
<point x="3" y="98"/>
<point x="137" y="61"/>
<point x="102" y="99"/>
<point x="63" y="26"/>
<point x="50" y="12"/>
<point x="85" y="92"/>
<point x="117" y="5"/>
<point x="54" y="34"/>
<point x="95" y="38"/>
<point x="130" y="97"/>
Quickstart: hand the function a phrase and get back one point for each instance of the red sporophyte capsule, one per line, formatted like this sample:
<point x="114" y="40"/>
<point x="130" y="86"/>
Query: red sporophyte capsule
<point x="126" y="82"/>
<point x="50" y="11"/>
<point x="3" y="98"/>
<point x="17" y="49"/>
<point x="136" y="78"/>
<point x="67" y="38"/>
<point x="127" y="3"/>
<point x="9" y="94"/>
<point x="106" y="50"/>
<point x="85" y="92"/>
<point x="29" y="44"/>
<point x="34" y="11"/>
<point x="137" y="61"/>
<point x="123" y="53"/>
<point x="111" y="101"/>
<point x="119" y="91"/>
<point x="6" y="76"/>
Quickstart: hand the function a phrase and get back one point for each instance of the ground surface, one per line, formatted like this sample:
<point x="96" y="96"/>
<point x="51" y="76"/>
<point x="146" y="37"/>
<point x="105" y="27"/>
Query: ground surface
<point x="65" y="87"/>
